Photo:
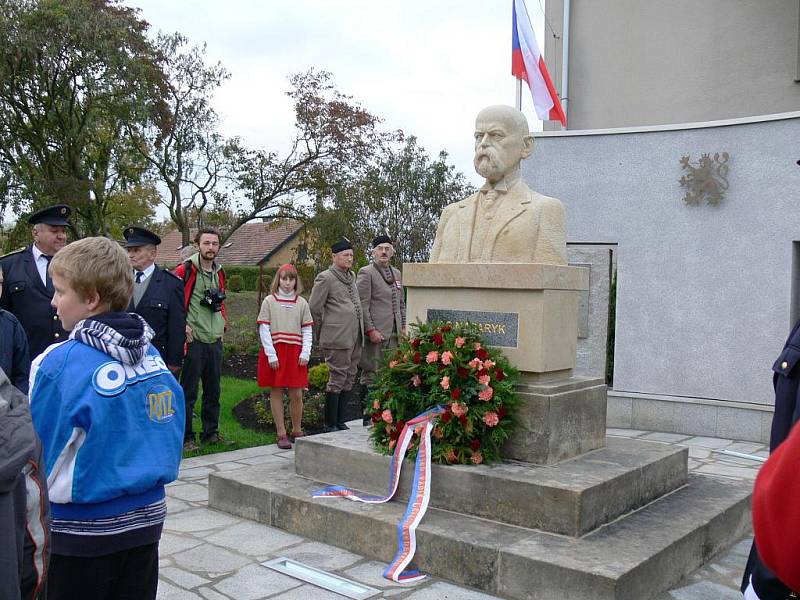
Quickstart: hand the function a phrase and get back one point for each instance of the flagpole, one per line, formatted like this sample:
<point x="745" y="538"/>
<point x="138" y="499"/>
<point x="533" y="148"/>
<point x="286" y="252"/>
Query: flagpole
<point x="519" y="95"/>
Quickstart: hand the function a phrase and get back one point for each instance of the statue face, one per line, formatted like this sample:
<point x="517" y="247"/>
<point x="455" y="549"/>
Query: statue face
<point x="499" y="147"/>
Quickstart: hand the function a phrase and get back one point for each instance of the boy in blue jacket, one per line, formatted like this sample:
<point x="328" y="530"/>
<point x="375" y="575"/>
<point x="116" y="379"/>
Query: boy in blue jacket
<point x="110" y="416"/>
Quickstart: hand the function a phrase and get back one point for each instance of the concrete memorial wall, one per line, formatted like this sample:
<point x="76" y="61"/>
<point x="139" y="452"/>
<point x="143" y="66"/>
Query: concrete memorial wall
<point x="704" y="289"/>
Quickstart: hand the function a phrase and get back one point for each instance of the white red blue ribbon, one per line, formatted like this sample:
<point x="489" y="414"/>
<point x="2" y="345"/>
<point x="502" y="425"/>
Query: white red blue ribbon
<point x="418" y="498"/>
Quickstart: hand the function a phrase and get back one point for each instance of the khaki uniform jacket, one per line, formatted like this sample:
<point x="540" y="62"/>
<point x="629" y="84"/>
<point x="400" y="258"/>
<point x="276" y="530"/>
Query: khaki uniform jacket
<point x="335" y="323"/>
<point x="523" y="215"/>
<point x="376" y="301"/>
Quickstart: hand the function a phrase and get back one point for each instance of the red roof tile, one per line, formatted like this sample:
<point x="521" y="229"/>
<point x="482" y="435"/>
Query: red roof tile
<point x="250" y="244"/>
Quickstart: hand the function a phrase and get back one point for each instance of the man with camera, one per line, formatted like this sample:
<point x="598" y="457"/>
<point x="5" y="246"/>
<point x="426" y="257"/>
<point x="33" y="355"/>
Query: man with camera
<point x="204" y="300"/>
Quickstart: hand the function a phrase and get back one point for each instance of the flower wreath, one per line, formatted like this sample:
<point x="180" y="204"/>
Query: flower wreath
<point x="450" y="365"/>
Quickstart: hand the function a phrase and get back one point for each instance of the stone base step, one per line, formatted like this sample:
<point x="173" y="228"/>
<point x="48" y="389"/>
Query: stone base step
<point x="633" y="558"/>
<point x="571" y="498"/>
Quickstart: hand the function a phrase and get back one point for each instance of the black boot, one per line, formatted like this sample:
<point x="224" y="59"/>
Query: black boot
<point x="363" y="395"/>
<point x="331" y="411"/>
<point x="344" y="399"/>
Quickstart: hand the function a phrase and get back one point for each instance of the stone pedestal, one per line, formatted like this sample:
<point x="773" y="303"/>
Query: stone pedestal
<point x="558" y="420"/>
<point x="530" y="311"/>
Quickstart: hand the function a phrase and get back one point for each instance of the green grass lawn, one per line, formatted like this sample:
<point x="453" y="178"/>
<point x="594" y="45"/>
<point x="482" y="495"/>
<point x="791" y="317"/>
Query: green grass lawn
<point x="233" y="391"/>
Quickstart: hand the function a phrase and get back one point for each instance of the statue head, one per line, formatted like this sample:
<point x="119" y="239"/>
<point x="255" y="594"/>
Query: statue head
<point x="502" y="140"/>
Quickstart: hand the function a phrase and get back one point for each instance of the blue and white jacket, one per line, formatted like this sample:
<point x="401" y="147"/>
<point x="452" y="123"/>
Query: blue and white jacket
<point x="111" y="418"/>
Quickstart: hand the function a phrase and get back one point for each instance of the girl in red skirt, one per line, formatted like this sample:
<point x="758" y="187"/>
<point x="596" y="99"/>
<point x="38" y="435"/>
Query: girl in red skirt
<point x="284" y="326"/>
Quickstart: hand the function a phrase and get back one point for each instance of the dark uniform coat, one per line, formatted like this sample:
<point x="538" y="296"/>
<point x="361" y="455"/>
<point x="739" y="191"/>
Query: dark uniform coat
<point x="161" y="306"/>
<point x="786" y="380"/>
<point x="27" y="298"/>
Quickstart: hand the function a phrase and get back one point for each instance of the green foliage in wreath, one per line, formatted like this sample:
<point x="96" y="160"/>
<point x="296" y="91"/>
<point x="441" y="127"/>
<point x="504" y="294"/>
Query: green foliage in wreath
<point x="450" y="365"/>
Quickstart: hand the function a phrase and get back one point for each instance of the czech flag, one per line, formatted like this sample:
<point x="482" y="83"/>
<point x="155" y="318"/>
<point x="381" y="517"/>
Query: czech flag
<point x="527" y="63"/>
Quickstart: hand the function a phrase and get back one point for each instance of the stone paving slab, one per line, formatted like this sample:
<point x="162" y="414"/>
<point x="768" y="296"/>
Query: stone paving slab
<point x="215" y="531"/>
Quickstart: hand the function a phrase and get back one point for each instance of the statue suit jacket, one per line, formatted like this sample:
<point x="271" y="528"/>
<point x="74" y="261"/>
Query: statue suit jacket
<point x="161" y="306"/>
<point x="334" y="313"/>
<point x="526" y="228"/>
<point x="376" y="301"/>
<point x="28" y="299"/>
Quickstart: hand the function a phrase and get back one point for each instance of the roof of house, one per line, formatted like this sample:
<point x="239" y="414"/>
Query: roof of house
<point x="251" y="244"/>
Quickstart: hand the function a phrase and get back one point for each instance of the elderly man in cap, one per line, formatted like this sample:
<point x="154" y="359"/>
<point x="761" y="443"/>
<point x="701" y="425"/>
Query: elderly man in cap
<point x="27" y="287"/>
<point x="157" y="295"/>
<point x="381" y="295"/>
<point x="339" y="328"/>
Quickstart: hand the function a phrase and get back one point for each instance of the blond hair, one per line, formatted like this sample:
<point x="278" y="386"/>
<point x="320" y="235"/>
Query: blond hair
<point x="290" y="270"/>
<point x="96" y="264"/>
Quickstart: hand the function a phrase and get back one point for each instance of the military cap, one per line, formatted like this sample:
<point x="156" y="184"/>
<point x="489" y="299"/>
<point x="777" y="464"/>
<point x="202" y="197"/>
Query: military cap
<point x="139" y="236"/>
<point x="52" y="215"/>
<point x="341" y="245"/>
<point x="382" y="239"/>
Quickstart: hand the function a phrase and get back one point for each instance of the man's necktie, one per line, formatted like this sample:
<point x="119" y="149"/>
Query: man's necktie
<point x="139" y="275"/>
<point x="48" y="282"/>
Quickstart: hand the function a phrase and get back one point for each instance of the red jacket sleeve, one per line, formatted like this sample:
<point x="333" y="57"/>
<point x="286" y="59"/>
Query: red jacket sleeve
<point x="776" y="516"/>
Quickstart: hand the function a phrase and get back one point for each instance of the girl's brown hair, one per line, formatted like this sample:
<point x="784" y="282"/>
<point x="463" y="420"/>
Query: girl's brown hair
<point x="291" y="271"/>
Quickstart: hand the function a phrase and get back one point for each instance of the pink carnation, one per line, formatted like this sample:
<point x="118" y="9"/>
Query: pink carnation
<point x="416" y="380"/>
<point x="486" y="394"/>
<point x="483" y="380"/>
<point x="458" y="409"/>
<point x="460" y="341"/>
<point x="447" y="357"/>
<point x="475" y="363"/>
<point x="387" y="415"/>
<point x="445" y="383"/>
<point x="393" y="364"/>
<point x="476" y="346"/>
<point x="432" y="357"/>
<point x="376" y="405"/>
<point x="477" y="458"/>
<point x="491" y="418"/>
<point x="488" y="364"/>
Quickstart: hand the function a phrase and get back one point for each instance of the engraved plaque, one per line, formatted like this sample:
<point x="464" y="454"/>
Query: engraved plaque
<point x="497" y="328"/>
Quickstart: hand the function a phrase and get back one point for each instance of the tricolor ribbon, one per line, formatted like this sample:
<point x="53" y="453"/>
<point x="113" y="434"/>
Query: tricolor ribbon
<point x="417" y="501"/>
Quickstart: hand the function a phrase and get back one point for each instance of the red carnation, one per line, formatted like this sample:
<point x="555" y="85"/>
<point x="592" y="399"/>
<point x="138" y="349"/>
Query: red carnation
<point x="376" y="417"/>
<point x="501" y="411"/>
<point x="438" y="339"/>
<point x="463" y="419"/>
<point x="455" y="394"/>
<point x="481" y="353"/>
<point x="481" y="373"/>
<point x="474" y="445"/>
<point x="445" y="328"/>
<point x="415" y="343"/>
<point x="499" y="375"/>
<point x="417" y="358"/>
<point x="446" y="416"/>
<point x="394" y="435"/>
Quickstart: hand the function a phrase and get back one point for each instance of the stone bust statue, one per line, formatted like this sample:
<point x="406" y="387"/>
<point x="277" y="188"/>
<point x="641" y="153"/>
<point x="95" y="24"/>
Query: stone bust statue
<point x="505" y="221"/>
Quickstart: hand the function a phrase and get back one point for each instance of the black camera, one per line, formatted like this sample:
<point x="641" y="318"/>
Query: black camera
<point x="213" y="299"/>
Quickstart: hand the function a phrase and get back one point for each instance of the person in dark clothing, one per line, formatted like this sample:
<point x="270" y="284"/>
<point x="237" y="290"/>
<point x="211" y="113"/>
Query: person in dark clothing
<point x="14" y="358"/>
<point x="24" y="507"/>
<point x="758" y="579"/>
<point x="28" y="289"/>
<point x="157" y="296"/>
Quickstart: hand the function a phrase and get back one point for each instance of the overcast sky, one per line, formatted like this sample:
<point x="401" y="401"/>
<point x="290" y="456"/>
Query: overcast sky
<point x="424" y="66"/>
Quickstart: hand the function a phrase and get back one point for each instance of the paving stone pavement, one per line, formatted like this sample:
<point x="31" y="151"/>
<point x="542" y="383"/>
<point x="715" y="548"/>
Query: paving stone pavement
<point x="211" y="555"/>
